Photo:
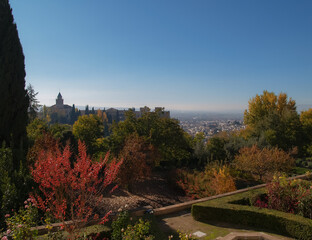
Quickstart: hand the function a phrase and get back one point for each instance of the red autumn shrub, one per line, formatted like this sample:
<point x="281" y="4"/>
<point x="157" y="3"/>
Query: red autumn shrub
<point x="288" y="196"/>
<point x="282" y="195"/>
<point x="72" y="191"/>
<point x="194" y="184"/>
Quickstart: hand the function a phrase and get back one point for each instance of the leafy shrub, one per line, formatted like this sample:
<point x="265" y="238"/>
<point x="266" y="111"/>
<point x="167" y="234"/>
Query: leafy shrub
<point x="288" y="196"/>
<point x="261" y="162"/>
<point x="119" y="225"/>
<point x="222" y="181"/>
<point x="282" y="195"/>
<point x="19" y="225"/>
<point x="213" y="181"/>
<point x="72" y="191"/>
<point x="304" y="162"/>
<point x="15" y="182"/>
<point x="124" y="229"/>
<point x="305" y="204"/>
<point x="138" y="231"/>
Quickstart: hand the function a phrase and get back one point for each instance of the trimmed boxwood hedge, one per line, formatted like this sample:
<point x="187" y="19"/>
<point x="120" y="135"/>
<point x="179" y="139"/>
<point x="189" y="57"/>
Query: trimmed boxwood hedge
<point x="226" y="209"/>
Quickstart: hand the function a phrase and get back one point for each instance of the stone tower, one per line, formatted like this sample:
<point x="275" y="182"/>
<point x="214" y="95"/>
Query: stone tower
<point x="59" y="101"/>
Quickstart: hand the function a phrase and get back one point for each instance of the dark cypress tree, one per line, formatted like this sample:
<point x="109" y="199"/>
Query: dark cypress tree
<point x="14" y="102"/>
<point x="73" y="115"/>
<point x="92" y="110"/>
<point x="117" y="117"/>
<point x="13" y="96"/>
<point x="87" y="112"/>
<point x="109" y="118"/>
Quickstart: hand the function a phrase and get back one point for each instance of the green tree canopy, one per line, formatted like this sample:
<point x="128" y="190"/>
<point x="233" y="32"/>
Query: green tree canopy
<point x="88" y="128"/>
<point x="306" y="121"/>
<point x="36" y="129"/>
<point x="275" y="119"/>
<point x="166" y="135"/>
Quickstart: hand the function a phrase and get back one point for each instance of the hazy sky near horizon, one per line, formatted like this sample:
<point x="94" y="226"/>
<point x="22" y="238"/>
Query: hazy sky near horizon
<point x="209" y="55"/>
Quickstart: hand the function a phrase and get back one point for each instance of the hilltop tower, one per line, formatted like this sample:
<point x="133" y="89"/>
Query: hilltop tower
<point x="59" y="101"/>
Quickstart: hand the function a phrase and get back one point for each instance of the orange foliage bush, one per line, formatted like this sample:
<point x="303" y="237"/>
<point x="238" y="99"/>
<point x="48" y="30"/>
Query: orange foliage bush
<point x="222" y="181"/>
<point x="213" y="181"/>
<point x="261" y="162"/>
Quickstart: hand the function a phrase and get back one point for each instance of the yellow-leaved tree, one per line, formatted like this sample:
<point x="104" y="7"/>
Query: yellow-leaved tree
<point x="274" y="120"/>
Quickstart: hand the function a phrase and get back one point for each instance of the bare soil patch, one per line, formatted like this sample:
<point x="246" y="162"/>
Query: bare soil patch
<point x="154" y="191"/>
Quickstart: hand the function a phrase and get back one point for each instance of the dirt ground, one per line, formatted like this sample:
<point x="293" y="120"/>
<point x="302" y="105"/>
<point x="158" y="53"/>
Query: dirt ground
<point x="154" y="191"/>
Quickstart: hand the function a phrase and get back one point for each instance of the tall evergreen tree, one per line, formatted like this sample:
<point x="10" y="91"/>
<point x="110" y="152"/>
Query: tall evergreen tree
<point x="13" y="96"/>
<point x="92" y="110"/>
<point x="14" y="103"/>
<point x="117" y="117"/>
<point x="73" y="115"/>
<point x="87" y="112"/>
<point x="34" y="105"/>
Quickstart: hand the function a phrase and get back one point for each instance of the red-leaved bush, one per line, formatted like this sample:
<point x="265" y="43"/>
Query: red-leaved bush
<point x="283" y="195"/>
<point x="72" y="191"/>
<point x="288" y="196"/>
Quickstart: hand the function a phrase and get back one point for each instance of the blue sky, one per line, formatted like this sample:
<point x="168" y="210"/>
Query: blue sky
<point x="183" y="55"/>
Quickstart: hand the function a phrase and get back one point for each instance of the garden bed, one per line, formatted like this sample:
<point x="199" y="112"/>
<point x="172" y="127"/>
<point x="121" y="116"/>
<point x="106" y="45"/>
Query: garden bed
<point x="228" y="209"/>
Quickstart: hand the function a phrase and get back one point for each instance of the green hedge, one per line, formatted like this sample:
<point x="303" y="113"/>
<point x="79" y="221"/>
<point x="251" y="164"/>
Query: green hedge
<point x="226" y="209"/>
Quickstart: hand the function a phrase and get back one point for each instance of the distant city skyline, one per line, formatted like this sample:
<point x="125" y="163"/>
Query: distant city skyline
<point x="182" y="55"/>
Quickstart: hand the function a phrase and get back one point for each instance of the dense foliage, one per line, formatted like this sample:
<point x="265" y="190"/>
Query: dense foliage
<point x="214" y="180"/>
<point x="261" y="162"/>
<point x="138" y="159"/>
<point x="274" y="119"/>
<point x="72" y="191"/>
<point x="288" y="196"/>
<point x="164" y="134"/>
<point x="88" y="128"/>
